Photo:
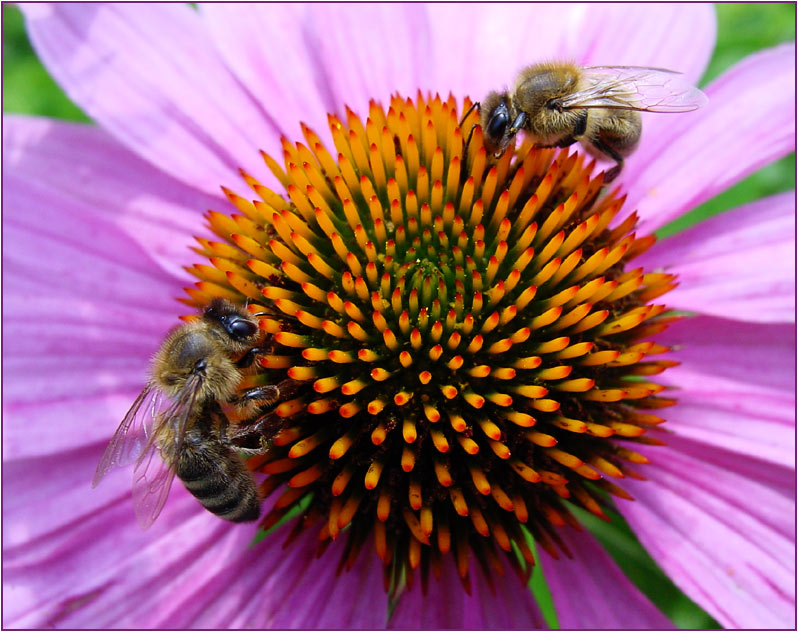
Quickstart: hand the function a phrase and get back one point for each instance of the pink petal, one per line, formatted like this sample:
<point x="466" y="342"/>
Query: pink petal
<point x="39" y="502"/>
<point x="268" y="586"/>
<point x="776" y="478"/>
<point x="99" y="305"/>
<point x="303" y="61"/>
<point x="90" y="420"/>
<point x="670" y="36"/>
<point x="150" y="75"/>
<point x="726" y="539"/>
<point x="191" y="570"/>
<point x="695" y="156"/>
<point x="267" y="47"/>
<point x="735" y="386"/>
<point x="740" y="264"/>
<point x="591" y="592"/>
<point x="370" y="50"/>
<point x="506" y="605"/>
<point x="120" y="556"/>
<point x="300" y="591"/>
<point x="515" y="35"/>
<point x="762" y="355"/>
<point x="88" y="167"/>
<point x="662" y="35"/>
<point x="88" y="247"/>
<point x="751" y="423"/>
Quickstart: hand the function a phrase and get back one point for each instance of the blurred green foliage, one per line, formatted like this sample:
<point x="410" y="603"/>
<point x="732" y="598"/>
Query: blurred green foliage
<point x="27" y="87"/>
<point x="746" y="27"/>
<point x="743" y="28"/>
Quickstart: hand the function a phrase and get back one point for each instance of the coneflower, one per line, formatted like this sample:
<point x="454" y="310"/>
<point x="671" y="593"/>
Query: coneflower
<point x="442" y="340"/>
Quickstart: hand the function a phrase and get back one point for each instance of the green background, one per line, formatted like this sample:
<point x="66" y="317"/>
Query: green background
<point x="742" y="30"/>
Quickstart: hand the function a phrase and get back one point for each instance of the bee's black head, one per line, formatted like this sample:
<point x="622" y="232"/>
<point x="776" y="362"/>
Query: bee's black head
<point x="235" y="320"/>
<point x="496" y="119"/>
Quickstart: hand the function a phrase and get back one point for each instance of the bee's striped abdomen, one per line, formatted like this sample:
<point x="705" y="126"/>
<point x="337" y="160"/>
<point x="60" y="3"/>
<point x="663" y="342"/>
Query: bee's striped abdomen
<point x="216" y="477"/>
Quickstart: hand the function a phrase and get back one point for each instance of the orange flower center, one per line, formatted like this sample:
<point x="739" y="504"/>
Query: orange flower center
<point x="469" y="340"/>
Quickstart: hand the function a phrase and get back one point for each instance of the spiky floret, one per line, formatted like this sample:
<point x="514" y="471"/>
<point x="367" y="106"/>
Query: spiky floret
<point x="468" y="334"/>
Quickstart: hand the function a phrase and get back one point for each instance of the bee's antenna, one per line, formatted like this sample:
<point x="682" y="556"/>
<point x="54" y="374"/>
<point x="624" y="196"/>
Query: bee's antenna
<point x="476" y="105"/>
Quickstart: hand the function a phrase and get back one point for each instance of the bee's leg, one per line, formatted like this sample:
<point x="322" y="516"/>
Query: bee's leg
<point x="606" y="149"/>
<point x="249" y="357"/>
<point x="240" y="435"/>
<point x="613" y="173"/>
<point x="475" y="106"/>
<point x="617" y="136"/>
<point x="581" y="126"/>
<point x="565" y="142"/>
<point x="255" y="401"/>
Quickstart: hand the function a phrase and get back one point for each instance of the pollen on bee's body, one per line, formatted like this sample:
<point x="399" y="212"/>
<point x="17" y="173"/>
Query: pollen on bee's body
<point x="465" y="333"/>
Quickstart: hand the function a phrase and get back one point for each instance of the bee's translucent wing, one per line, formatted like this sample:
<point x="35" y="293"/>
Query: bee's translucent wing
<point x="131" y="437"/>
<point x="157" y="465"/>
<point x="635" y="88"/>
<point x="152" y="480"/>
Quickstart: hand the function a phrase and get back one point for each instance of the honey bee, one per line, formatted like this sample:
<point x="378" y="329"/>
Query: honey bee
<point x="559" y="103"/>
<point x="177" y="425"/>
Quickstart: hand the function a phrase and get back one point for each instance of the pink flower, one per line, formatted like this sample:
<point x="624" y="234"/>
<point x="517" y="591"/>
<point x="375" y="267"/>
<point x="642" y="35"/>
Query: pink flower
<point x="97" y="222"/>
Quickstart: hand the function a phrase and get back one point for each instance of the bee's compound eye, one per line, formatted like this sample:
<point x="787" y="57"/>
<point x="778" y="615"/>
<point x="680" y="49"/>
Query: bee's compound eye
<point x="498" y="122"/>
<point x="240" y="328"/>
